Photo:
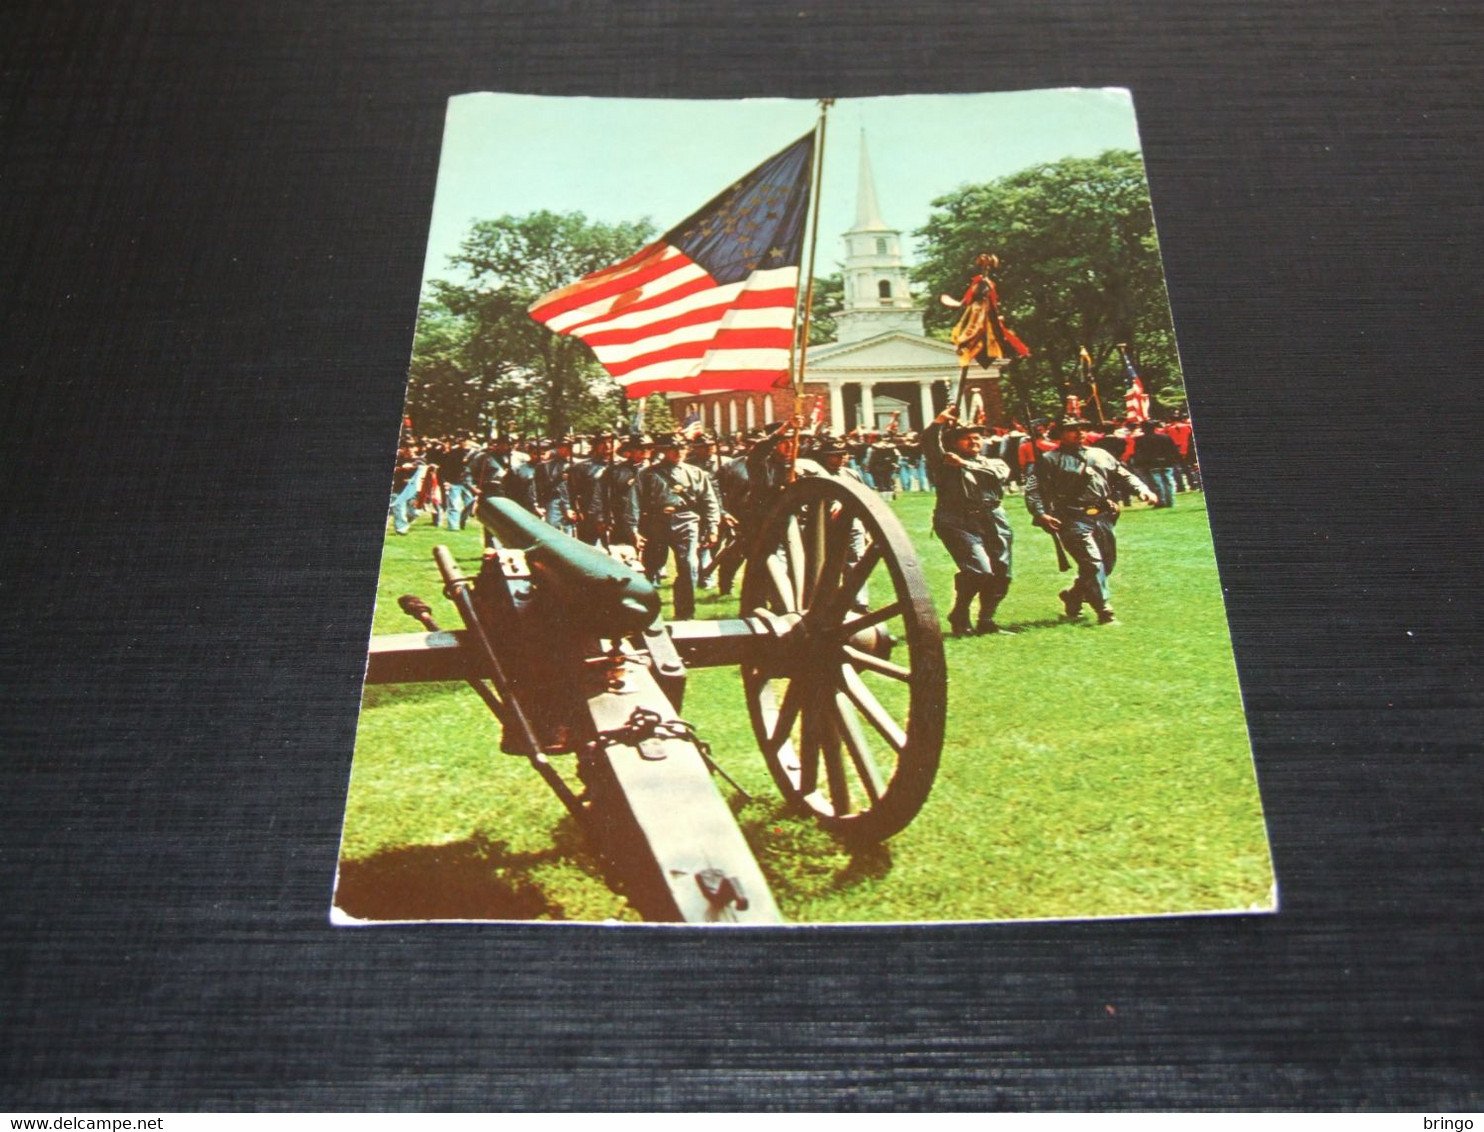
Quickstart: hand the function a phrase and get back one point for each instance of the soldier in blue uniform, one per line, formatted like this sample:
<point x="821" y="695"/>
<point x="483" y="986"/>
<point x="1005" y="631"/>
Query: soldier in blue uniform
<point x="588" y="483"/>
<point x="493" y="472"/>
<point x="678" y="510"/>
<point x="553" y="492"/>
<point x="1070" y="492"/>
<point x="622" y="496"/>
<point x="970" y="519"/>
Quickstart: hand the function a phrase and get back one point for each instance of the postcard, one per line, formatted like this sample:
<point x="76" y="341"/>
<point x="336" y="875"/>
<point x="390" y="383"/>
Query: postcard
<point x="797" y="519"/>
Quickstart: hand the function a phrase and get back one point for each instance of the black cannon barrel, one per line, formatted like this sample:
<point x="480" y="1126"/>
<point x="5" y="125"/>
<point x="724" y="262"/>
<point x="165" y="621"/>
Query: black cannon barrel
<point x="584" y="585"/>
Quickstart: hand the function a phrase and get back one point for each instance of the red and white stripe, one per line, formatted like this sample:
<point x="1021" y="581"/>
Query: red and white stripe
<point x="1136" y="402"/>
<point x="659" y="322"/>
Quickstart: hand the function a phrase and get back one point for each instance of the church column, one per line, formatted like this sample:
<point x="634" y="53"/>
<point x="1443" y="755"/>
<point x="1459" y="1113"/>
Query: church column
<point x="837" y="409"/>
<point x="868" y="405"/>
<point x="925" y="391"/>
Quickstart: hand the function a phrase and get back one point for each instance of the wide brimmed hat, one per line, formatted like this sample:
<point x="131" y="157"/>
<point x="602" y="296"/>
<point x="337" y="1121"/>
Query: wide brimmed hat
<point x="667" y="441"/>
<point x="830" y="446"/>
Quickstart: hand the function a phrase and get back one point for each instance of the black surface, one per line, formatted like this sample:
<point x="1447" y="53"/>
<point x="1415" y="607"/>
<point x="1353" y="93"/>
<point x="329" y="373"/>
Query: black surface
<point x="212" y="235"/>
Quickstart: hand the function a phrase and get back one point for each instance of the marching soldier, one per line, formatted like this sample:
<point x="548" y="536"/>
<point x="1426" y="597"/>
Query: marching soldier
<point x="768" y="469"/>
<point x="882" y="461"/>
<point x="970" y="519"/>
<point x="679" y="511"/>
<point x="588" y="482"/>
<point x="553" y="492"/>
<point x="832" y="455"/>
<point x="1070" y="492"/>
<point x="493" y="472"/>
<point x="622" y="496"/>
<point x="733" y="487"/>
<point x="703" y="455"/>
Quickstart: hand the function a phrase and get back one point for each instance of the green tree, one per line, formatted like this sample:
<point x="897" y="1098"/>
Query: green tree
<point x="829" y="300"/>
<point x="443" y="391"/>
<point x="485" y="356"/>
<point x="1079" y="267"/>
<point x="658" y="416"/>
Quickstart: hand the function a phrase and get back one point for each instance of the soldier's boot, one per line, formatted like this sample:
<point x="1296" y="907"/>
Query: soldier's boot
<point x="1071" y="604"/>
<point x="964" y="588"/>
<point x="1106" y="617"/>
<point x="991" y="592"/>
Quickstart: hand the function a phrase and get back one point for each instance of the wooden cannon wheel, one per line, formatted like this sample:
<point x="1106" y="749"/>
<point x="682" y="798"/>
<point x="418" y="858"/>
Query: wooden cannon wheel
<point x="848" y="693"/>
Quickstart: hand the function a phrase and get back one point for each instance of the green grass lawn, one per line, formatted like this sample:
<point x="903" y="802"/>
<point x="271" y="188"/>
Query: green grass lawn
<point x="1087" y="771"/>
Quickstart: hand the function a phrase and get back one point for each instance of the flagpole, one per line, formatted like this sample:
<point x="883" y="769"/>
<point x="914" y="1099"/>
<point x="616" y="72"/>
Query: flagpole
<point x="802" y="338"/>
<point x="1092" y="383"/>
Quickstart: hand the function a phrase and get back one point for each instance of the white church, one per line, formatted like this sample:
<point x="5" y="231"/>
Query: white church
<point x="881" y="368"/>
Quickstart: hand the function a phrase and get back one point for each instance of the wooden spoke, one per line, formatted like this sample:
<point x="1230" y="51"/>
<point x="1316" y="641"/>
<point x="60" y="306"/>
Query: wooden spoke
<point x="818" y="550"/>
<point x="834" y="760"/>
<point x="866" y="620"/>
<point x="870" y="707"/>
<point x="783" y="723"/>
<point x="837" y="548"/>
<point x="855" y="742"/>
<point x="782" y="585"/>
<point x="876" y="664"/>
<point x="797" y="561"/>
<point x="809" y="751"/>
<point x="851" y="584"/>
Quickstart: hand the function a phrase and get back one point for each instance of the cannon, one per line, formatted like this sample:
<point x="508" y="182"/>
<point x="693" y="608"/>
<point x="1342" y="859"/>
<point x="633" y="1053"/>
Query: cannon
<point x="841" y="665"/>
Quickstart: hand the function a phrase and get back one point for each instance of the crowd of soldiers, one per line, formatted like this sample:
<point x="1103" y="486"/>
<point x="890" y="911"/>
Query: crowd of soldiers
<point x="669" y="495"/>
<point x="692" y="498"/>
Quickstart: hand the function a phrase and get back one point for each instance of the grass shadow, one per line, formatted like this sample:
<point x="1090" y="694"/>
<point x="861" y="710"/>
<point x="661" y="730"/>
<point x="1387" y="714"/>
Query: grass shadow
<point x="867" y="862"/>
<point x="1047" y="623"/>
<point x="478" y="878"/>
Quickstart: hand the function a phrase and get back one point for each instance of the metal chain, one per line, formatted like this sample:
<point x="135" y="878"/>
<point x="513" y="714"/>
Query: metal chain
<point x="644" y="724"/>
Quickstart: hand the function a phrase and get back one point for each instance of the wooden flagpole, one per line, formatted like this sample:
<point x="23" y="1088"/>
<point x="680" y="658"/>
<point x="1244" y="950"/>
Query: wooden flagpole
<point x="802" y="338"/>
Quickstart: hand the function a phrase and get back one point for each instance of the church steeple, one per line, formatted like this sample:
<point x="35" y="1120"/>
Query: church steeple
<point x="867" y="211"/>
<point x="877" y="298"/>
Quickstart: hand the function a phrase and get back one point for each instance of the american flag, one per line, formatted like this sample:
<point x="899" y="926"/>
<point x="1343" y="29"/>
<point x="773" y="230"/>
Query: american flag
<point x="708" y="307"/>
<point x="1135" y="401"/>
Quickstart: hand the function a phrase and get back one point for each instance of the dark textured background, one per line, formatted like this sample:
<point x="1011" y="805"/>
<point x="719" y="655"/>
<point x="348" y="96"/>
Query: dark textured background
<point x="211" y="239"/>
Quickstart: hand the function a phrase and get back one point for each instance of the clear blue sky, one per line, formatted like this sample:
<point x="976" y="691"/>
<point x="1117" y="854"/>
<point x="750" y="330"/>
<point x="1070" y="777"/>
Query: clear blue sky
<point x="623" y="159"/>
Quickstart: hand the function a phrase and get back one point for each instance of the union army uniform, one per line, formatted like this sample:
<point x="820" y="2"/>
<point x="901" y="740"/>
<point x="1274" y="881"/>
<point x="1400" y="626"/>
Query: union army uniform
<point x="494" y="474"/>
<point x="1076" y="486"/>
<point x="622" y="495"/>
<point x="678" y="510"/>
<point x="970" y="520"/>
<point x="588" y="484"/>
<point x="553" y="495"/>
<point x="732" y="486"/>
<point x="703" y="455"/>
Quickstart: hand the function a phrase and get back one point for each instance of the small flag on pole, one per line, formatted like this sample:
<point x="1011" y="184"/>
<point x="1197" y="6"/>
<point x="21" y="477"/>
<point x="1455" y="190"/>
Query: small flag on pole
<point x="709" y="307"/>
<point x="1135" y="401"/>
<point x="816" y="415"/>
